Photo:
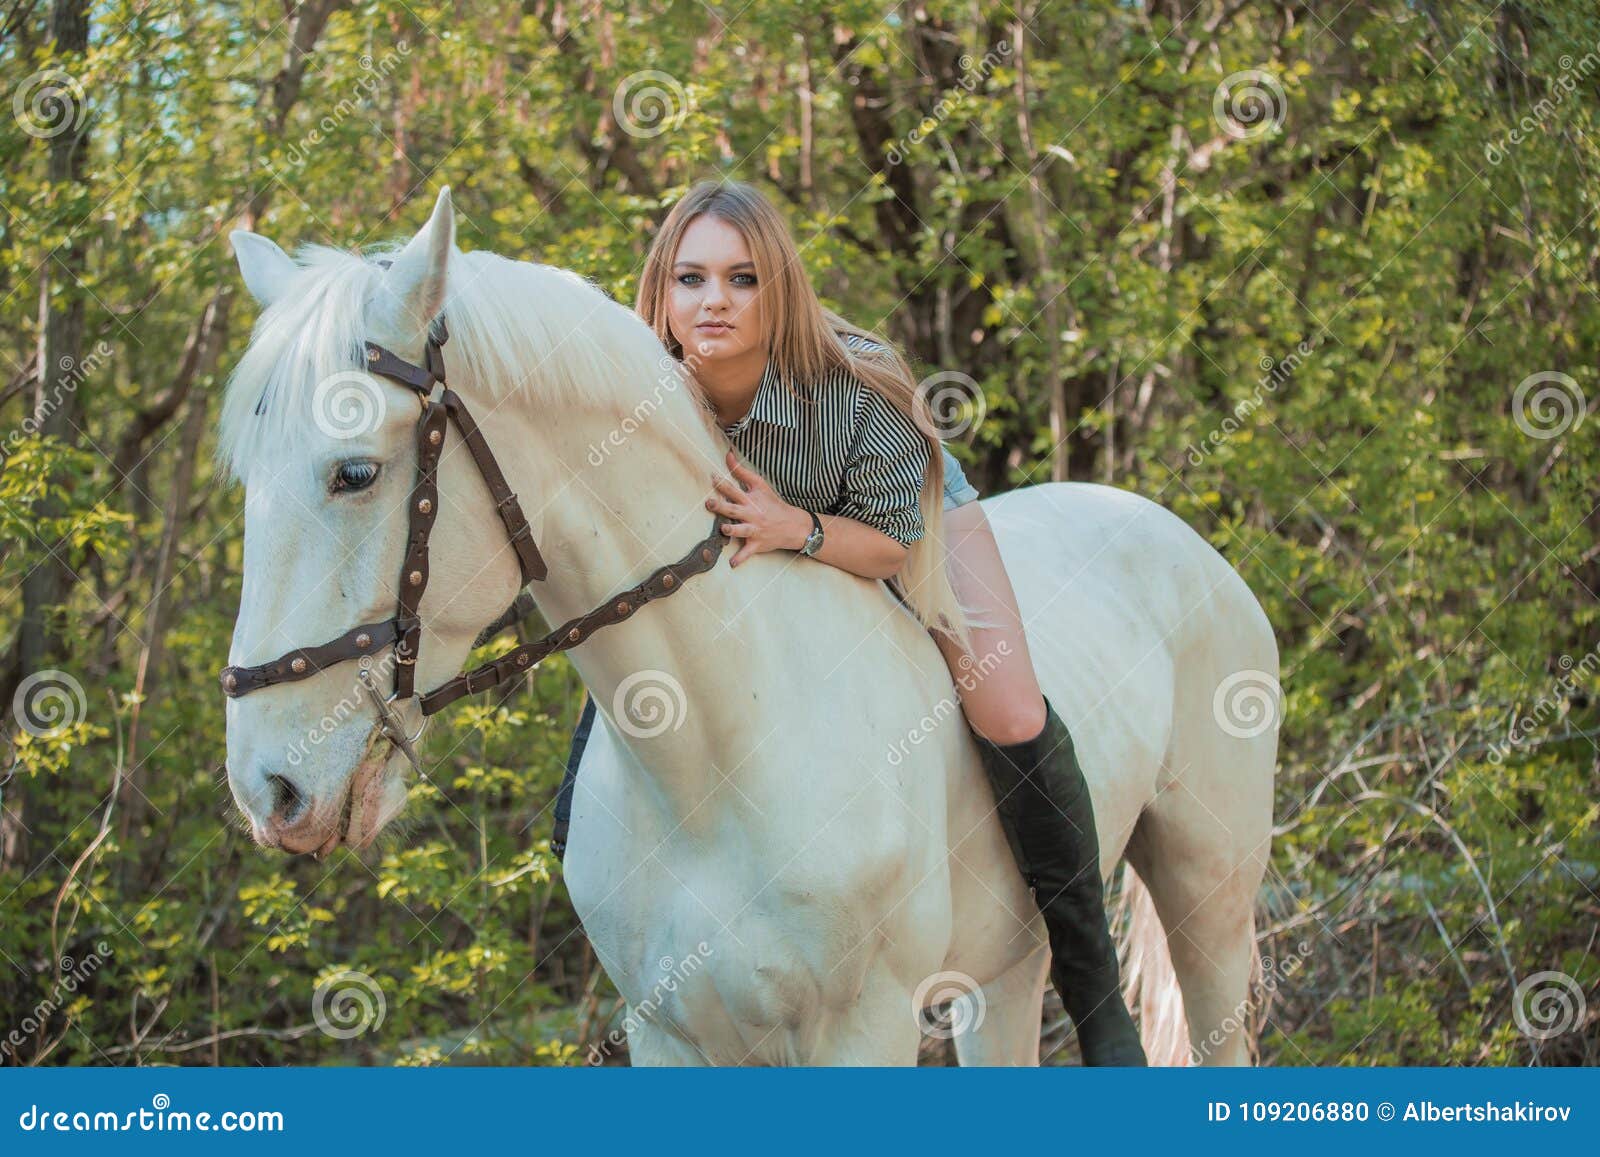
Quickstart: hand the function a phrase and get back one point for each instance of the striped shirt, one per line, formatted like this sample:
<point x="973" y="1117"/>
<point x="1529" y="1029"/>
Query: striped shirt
<point x="838" y="448"/>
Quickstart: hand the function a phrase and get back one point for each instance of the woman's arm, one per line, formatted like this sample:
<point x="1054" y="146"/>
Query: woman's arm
<point x="764" y="521"/>
<point x="856" y="547"/>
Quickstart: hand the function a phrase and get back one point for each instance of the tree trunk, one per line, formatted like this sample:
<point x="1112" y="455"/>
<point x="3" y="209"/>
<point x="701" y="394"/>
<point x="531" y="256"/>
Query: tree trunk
<point x="1049" y="276"/>
<point x="55" y="400"/>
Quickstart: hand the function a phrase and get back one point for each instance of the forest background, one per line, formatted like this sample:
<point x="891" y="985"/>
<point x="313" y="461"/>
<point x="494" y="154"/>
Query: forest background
<point x="1319" y="277"/>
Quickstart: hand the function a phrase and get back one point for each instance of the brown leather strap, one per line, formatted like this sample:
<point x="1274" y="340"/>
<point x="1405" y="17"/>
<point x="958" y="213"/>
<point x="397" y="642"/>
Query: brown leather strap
<point x="517" y="528"/>
<point x="414" y="573"/>
<point x="396" y="368"/>
<point x="662" y="581"/>
<point x="293" y="666"/>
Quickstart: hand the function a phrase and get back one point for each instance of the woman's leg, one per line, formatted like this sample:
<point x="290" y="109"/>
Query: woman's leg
<point x="1041" y="797"/>
<point x="999" y="690"/>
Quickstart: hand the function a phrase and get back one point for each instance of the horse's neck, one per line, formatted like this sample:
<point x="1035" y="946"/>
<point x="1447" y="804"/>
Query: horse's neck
<point x="614" y="504"/>
<point x="612" y="499"/>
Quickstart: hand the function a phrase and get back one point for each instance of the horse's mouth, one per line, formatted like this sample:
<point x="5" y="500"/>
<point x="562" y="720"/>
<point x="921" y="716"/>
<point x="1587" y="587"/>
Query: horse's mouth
<point x="361" y="815"/>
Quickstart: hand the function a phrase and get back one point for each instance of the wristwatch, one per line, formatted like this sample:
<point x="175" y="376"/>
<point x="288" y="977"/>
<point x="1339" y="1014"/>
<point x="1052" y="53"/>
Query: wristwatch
<point x="813" y="541"/>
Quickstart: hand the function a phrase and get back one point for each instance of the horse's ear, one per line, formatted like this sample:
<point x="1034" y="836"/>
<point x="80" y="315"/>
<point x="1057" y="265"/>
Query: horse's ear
<point x="413" y="287"/>
<point x="266" y="269"/>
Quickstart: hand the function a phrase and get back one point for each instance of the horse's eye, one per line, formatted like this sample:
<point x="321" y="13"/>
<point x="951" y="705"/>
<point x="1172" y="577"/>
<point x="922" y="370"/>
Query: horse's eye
<point x="353" y="476"/>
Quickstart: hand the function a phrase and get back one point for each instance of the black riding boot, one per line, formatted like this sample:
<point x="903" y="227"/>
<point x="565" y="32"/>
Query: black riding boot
<point x="1048" y="819"/>
<point x="569" y="780"/>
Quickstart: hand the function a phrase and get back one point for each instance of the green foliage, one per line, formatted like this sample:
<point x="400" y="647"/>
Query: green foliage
<point x="1306" y="341"/>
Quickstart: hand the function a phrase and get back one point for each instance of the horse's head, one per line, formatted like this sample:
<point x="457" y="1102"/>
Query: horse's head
<point x="328" y="456"/>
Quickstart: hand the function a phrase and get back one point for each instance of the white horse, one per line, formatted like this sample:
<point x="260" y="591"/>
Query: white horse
<point x="783" y="846"/>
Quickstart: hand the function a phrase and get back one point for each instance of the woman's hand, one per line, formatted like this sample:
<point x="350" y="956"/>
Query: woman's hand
<point x="757" y="513"/>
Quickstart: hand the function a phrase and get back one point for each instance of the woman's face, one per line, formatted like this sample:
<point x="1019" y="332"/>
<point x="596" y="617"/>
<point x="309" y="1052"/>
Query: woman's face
<point x="712" y="307"/>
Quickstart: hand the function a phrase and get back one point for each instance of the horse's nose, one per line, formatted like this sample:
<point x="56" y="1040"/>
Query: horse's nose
<point x="282" y="816"/>
<point x="287" y="801"/>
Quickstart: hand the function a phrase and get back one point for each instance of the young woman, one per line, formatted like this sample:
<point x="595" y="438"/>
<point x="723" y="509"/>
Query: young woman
<point x="841" y="469"/>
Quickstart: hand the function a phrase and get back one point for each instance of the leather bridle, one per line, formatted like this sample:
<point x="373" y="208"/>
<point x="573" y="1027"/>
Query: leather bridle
<point x="440" y="406"/>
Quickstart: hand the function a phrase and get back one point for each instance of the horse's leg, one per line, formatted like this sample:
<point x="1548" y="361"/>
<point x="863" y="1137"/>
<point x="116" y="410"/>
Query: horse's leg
<point x="1201" y="848"/>
<point x="1210" y="921"/>
<point x="880" y="1029"/>
<point x="1005" y="1016"/>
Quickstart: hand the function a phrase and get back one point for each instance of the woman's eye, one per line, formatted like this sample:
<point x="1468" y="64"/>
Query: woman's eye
<point x="354" y="476"/>
<point x="737" y="279"/>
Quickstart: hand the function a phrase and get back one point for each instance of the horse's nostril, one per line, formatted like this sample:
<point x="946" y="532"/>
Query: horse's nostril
<point x="287" y="801"/>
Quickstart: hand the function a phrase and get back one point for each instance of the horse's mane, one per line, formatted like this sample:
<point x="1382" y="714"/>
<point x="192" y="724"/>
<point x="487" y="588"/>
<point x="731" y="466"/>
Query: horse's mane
<point x="514" y="326"/>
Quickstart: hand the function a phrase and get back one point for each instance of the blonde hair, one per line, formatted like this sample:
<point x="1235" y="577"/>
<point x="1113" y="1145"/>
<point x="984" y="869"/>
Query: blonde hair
<point x="806" y="342"/>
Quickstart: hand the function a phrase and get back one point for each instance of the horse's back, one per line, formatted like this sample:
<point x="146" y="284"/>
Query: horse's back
<point x="1082" y="550"/>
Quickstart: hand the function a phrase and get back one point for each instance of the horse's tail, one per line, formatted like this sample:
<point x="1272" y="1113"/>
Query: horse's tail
<point x="1150" y="984"/>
